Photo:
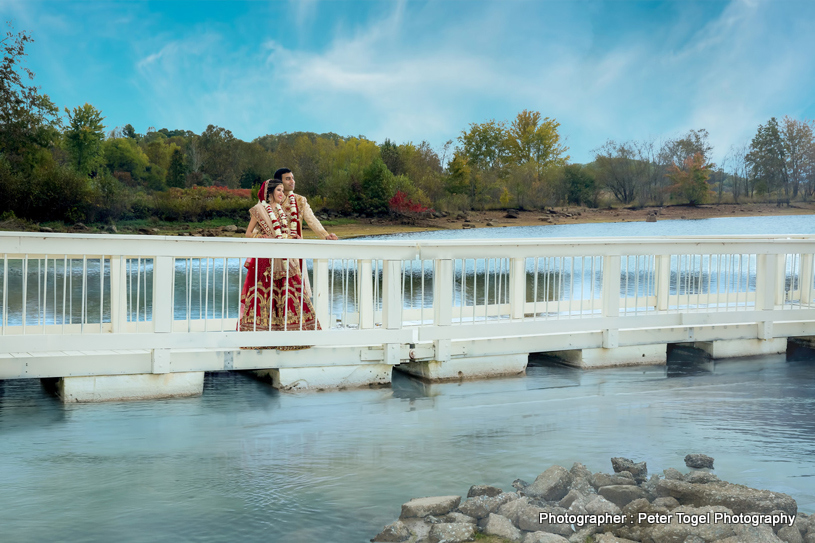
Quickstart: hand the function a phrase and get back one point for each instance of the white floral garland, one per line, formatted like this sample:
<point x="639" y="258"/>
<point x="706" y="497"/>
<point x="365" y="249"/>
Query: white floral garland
<point x="279" y="218"/>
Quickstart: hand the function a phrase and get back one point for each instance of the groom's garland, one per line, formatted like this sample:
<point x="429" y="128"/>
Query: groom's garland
<point x="280" y="221"/>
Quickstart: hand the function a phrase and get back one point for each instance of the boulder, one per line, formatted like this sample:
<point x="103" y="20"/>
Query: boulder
<point x="519" y="484"/>
<point x="551" y="485"/>
<point x="673" y="474"/>
<point x="579" y="470"/>
<point x="636" y="506"/>
<point x="456" y="517"/>
<point x="678" y="532"/>
<point x="468" y="225"/>
<point x="421" y="507"/>
<point x="511" y="215"/>
<point x="738" y="498"/>
<point x="451" y="533"/>
<point x="233" y="228"/>
<point x="46" y="229"/>
<point x="651" y="218"/>
<point x="513" y="509"/>
<point x="754" y="534"/>
<point x="622" y="495"/>
<point x="501" y="527"/>
<point x="395" y="532"/>
<point x="667" y="502"/>
<point x="698" y="461"/>
<point x="599" y="480"/>
<point x="483" y="490"/>
<point x="638" y="470"/>
<point x="789" y="534"/>
<point x="611" y="538"/>
<point x="700" y="477"/>
<point x="544" y="537"/>
<point x="599" y="506"/>
<point x="481" y="506"/>
<point x="569" y="498"/>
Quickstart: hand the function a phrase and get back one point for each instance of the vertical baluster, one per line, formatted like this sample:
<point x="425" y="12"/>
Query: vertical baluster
<point x="84" y="293"/>
<point x="25" y="290"/>
<point x="331" y="292"/>
<point x="39" y="291"/>
<point x="206" y="294"/>
<point x="138" y="290"/>
<point x="71" y="292"/>
<point x="188" y="291"/>
<point x="224" y="292"/>
<point x="571" y="285"/>
<point x="201" y="291"/>
<point x="593" y="280"/>
<point x="55" y="290"/>
<point x="45" y="295"/>
<point x="101" y="290"/>
<point x="357" y="305"/>
<point x="423" y="300"/>
<point x="486" y="289"/>
<point x="5" y="292"/>
<point x="535" y="291"/>
<point x="560" y="288"/>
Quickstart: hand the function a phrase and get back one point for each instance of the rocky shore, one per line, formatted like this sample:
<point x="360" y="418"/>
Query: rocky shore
<point x="576" y="506"/>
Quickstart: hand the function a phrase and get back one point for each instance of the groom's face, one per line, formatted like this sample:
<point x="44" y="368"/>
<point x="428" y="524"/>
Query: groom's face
<point x="288" y="182"/>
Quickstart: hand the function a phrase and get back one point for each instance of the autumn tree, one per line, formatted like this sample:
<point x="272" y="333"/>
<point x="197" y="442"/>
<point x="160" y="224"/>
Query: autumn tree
<point x="691" y="180"/>
<point x="797" y="137"/>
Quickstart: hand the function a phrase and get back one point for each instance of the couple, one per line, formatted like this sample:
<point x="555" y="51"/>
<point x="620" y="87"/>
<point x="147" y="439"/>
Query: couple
<point x="276" y="294"/>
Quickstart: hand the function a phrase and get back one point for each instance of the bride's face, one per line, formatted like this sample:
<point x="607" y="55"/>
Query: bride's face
<point x="277" y="194"/>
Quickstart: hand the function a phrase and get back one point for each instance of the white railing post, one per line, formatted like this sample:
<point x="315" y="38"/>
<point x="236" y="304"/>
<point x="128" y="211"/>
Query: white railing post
<point x="365" y="288"/>
<point x="118" y="294"/>
<point x="663" y="281"/>
<point x="767" y="281"/>
<point x="321" y="291"/>
<point x="806" y="278"/>
<point x="163" y="269"/>
<point x="517" y="287"/>
<point x="611" y="297"/>
<point x="443" y="305"/>
<point x="392" y="306"/>
<point x="780" y="279"/>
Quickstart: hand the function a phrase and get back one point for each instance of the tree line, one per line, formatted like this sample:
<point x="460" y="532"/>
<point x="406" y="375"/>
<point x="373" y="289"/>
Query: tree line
<point x="73" y="167"/>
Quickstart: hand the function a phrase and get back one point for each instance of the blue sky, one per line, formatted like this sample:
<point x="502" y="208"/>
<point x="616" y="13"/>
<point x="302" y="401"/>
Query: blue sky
<point x="413" y="71"/>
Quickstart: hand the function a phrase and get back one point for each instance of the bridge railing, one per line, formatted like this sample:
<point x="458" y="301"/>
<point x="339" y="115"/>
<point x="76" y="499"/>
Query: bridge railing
<point x="102" y="292"/>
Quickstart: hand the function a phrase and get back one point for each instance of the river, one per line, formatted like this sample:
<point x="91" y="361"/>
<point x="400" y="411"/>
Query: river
<point x="245" y="462"/>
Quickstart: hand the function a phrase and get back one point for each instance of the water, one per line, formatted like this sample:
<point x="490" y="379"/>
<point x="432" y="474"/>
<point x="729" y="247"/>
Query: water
<point x="244" y="462"/>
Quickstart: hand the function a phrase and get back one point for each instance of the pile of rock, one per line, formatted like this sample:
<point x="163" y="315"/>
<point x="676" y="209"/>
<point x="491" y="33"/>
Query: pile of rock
<point x="560" y="506"/>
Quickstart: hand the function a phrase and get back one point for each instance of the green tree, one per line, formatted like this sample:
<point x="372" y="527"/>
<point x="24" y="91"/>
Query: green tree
<point x="389" y="152"/>
<point x="798" y="138"/>
<point x="532" y="140"/>
<point x="219" y="156"/>
<point x="580" y="185"/>
<point x="691" y="180"/>
<point x="767" y="158"/>
<point x="177" y="172"/>
<point x="29" y="122"/>
<point x="484" y="145"/>
<point x="375" y="190"/>
<point x="84" y="137"/>
<point x="124" y="155"/>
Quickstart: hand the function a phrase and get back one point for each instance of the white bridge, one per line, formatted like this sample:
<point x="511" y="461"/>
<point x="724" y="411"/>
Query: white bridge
<point x="136" y="316"/>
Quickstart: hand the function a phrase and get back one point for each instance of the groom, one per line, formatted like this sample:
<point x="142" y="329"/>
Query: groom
<point x="303" y="210"/>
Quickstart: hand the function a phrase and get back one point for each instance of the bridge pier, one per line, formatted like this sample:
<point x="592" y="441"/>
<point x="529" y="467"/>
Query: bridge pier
<point x="327" y="377"/>
<point x="733" y="348"/>
<point x="631" y="355"/>
<point x="145" y="386"/>
<point x="473" y="367"/>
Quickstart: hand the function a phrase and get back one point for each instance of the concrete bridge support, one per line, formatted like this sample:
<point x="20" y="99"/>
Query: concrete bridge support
<point x="734" y="348"/>
<point x="475" y="367"/>
<point x="632" y="355"/>
<point x="108" y="388"/>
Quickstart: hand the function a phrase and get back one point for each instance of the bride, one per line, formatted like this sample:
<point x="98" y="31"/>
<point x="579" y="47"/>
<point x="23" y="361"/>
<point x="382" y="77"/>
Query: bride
<point x="275" y="295"/>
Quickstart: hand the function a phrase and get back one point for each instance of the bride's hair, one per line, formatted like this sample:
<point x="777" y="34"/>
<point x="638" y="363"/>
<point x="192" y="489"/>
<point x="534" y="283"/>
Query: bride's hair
<point x="271" y="184"/>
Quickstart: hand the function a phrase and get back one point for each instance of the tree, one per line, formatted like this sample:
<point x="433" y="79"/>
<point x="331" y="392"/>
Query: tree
<point x="767" y="158"/>
<point x="617" y="170"/>
<point x="84" y="137"/>
<point x="580" y="185"/>
<point x="679" y="150"/>
<point x="375" y="190"/>
<point x="177" y="172"/>
<point x="219" y="156"/>
<point x="797" y="137"/>
<point x="391" y="157"/>
<point x="530" y="140"/>
<point x="124" y="155"/>
<point x="29" y="122"/>
<point x="484" y="145"/>
<point x="690" y="181"/>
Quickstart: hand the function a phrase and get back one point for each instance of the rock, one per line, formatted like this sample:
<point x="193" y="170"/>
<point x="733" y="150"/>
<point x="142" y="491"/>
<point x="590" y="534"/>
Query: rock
<point x="673" y="474"/>
<point x="810" y="537"/>
<point x="699" y="460"/>
<point x="393" y="533"/>
<point x="502" y="527"/>
<point x="678" y="532"/>
<point x="636" y="506"/>
<point x="790" y="534"/>
<point x="513" y="509"/>
<point x="481" y="506"/>
<point x="452" y="533"/>
<point x="667" y="502"/>
<point x="544" y="537"/>
<point x="639" y="470"/>
<point x="490" y="223"/>
<point x="46" y="229"/>
<point x="622" y="495"/>
<point x="650" y="486"/>
<point x="233" y="228"/>
<point x="700" y="477"/>
<point x="143" y="230"/>
<point x="511" y="214"/>
<point x="456" y="517"/>
<point x="738" y="498"/>
<point x="421" y="507"/>
<point x="156" y="231"/>
<point x="569" y="498"/>
<point x="483" y="490"/>
<point x="603" y="479"/>
<point x="754" y="534"/>
<point x="112" y="229"/>
<point x="529" y="520"/>
<point x="611" y="538"/>
<point x="579" y="470"/>
<point x="468" y="225"/>
<point x="519" y="484"/>
<point x="599" y="505"/>
<point x="80" y="227"/>
<point x="553" y="484"/>
<point x="651" y="218"/>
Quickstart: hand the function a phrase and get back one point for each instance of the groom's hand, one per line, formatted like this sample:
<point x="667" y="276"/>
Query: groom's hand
<point x="332" y="236"/>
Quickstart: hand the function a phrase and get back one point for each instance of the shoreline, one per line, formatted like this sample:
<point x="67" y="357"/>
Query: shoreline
<point x="349" y="228"/>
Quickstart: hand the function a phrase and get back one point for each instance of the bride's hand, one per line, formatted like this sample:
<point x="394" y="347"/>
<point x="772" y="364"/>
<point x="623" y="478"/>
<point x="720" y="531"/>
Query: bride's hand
<point x="294" y="236"/>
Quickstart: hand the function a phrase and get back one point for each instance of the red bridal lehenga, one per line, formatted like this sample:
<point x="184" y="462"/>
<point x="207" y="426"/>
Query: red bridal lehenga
<point x="275" y="295"/>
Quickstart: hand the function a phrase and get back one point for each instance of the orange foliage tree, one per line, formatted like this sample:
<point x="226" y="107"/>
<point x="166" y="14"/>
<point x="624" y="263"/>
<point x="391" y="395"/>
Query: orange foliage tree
<point x="690" y="181"/>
